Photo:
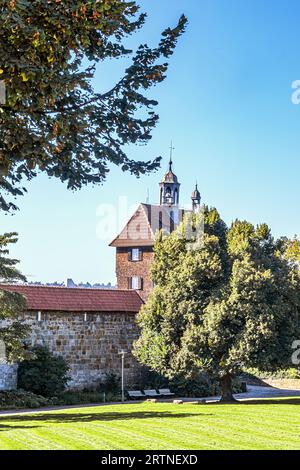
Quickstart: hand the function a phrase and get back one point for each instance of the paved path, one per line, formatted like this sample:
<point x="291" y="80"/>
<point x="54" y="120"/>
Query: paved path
<point x="254" y="392"/>
<point x="267" y="392"/>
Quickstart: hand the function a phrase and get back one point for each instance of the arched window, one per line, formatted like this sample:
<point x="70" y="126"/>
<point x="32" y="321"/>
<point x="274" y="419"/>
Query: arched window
<point x="168" y="196"/>
<point x="176" y="201"/>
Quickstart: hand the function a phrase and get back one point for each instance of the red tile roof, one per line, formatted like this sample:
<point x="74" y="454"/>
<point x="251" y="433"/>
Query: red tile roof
<point x="65" y="299"/>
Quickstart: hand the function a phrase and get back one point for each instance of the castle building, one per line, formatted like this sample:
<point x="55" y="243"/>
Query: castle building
<point x="89" y="327"/>
<point x="134" y="245"/>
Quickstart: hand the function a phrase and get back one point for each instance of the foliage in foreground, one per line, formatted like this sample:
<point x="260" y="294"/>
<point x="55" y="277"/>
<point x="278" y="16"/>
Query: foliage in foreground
<point x="231" y="303"/>
<point x="54" y="121"/>
<point x="12" y="305"/>
<point x="44" y="374"/>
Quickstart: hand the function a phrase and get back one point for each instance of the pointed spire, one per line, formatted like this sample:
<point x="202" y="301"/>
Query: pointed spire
<point x="171" y="156"/>
<point x="196" y="198"/>
<point x="195" y="193"/>
<point x="169" y="185"/>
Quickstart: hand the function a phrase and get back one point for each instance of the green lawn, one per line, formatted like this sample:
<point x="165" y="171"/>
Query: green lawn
<point x="260" y="425"/>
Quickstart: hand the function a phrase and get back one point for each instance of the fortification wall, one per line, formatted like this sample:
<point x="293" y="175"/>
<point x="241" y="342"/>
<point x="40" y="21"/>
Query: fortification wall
<point x="90" y="343"/>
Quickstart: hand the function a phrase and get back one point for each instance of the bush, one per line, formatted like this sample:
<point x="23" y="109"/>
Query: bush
<point x="200" y="386"/>
<point x="77" y="398"/>
<point x="22" y="399"/>
<point x="151" y="379"/>
<point x="111" y="384"/>
<point x="291" y="373"/>
<point x="85" y="398"/>
<point x="10" y="400"/>
<point x="44" y="375"/>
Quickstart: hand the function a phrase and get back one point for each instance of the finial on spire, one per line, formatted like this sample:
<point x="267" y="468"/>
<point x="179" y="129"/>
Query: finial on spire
<point x="171" y="156"/>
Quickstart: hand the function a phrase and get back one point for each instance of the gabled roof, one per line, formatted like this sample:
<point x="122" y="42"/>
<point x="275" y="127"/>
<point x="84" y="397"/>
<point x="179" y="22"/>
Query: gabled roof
<point x="145" y="223"/>
<point x="63" y="299"/>
<point x="137" y="231"/>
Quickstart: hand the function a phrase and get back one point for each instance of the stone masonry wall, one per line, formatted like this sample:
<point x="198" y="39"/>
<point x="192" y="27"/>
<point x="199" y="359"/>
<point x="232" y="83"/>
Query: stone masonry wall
<point x="8" y="376"/>
<point x="90" y="347"/>
<point x="126" y="269"/>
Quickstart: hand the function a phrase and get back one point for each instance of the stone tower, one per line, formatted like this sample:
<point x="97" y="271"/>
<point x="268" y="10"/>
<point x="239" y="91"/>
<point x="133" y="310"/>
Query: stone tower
<point x="134" y="245"/>
<point x="196" y="199"/>
<point x="169" y="188"/>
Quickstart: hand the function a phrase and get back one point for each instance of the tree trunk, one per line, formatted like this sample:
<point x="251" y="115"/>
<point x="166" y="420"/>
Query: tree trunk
<point x="226" y="389"/>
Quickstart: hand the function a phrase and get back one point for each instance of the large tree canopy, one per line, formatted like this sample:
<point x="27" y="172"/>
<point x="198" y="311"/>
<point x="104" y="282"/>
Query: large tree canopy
<point x="12" y="305"/>
<point x="53" y="120"/>
<point x="231" y="304"/>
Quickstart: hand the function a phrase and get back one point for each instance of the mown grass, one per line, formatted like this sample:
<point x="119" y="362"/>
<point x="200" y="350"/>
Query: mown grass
<point x="263" y="424"/>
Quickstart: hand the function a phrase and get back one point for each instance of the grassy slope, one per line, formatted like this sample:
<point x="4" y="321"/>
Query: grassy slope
<point x="260" y="425"/>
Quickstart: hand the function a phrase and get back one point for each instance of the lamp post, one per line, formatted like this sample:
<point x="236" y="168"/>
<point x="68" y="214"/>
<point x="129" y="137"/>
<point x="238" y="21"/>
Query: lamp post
<point x="122" y="353"/>
<point x="2" y="92"/>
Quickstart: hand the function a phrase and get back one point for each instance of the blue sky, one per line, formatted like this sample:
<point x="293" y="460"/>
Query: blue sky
<point x="227" y="106"/>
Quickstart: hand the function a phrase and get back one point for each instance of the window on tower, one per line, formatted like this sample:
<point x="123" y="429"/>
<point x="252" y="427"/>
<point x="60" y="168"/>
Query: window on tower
<point x="135" y="254"/>
<point x="176" y="196"/>
<point x="169" y="198"/>
<point x="135" y="283"/>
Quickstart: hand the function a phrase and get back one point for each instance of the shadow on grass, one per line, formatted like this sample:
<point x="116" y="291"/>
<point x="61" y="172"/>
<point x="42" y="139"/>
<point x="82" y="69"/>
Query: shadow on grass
<point x="8" y="427"/>
<point x="64" y="418"/>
